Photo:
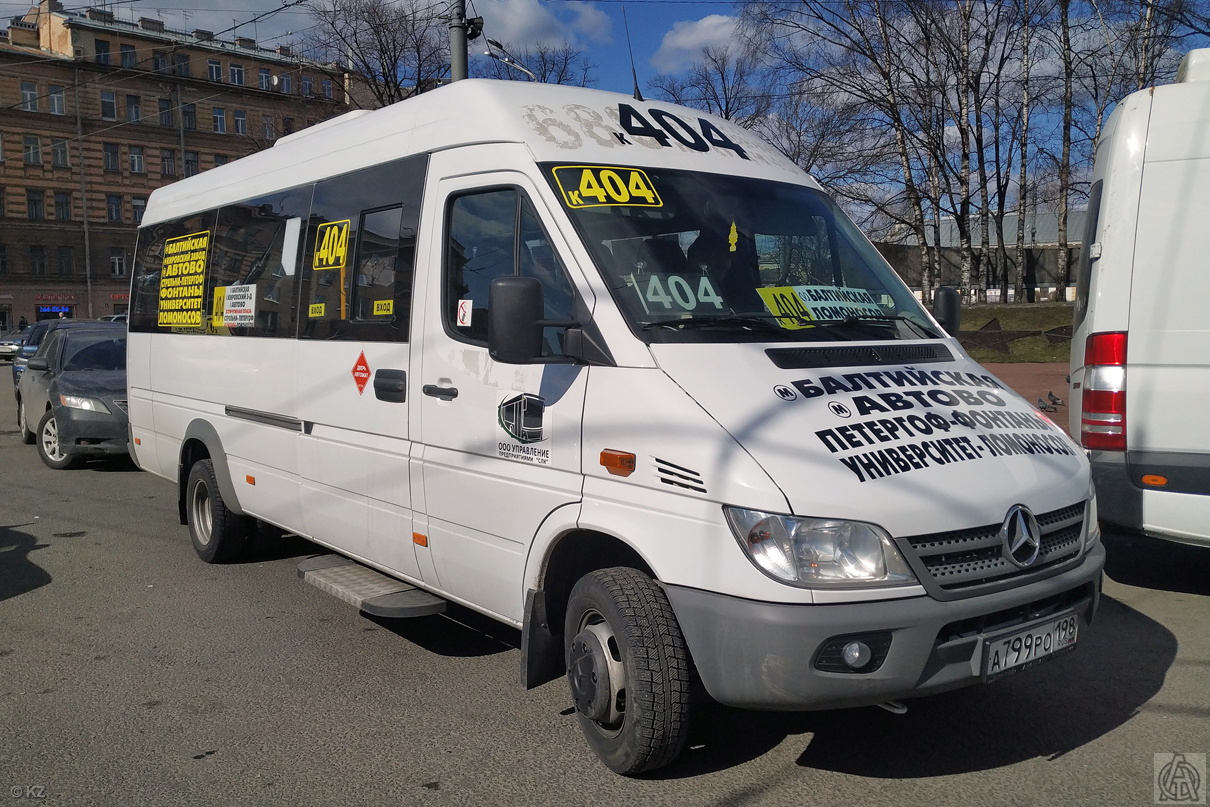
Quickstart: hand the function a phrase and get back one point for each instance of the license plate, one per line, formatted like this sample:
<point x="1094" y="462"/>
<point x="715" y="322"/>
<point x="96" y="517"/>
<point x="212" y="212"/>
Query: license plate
<point x="1027" y="646"/>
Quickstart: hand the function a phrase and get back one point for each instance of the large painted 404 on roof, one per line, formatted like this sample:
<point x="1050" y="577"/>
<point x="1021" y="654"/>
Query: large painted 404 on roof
<point x="619" y="374"/>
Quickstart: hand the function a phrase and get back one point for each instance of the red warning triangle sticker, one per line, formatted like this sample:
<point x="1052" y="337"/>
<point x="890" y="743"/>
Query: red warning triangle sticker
<point x="361" y="373"/>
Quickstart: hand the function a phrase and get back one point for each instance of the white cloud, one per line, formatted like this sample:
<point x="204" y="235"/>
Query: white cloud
<point x="683" y="45"/>
<point x="528" y="22"/>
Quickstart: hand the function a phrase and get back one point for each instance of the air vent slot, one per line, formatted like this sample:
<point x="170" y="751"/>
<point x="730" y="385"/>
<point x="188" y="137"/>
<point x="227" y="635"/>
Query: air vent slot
<point x="803" y="358"/>
<point x="678" y="476"/>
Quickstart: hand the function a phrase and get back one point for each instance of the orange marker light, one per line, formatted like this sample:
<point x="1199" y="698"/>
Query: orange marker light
<point x="250" y="479"/>
<point x="618" y="463"/>
<point x="420" y="540"/>
<point x="1155" y="480"/>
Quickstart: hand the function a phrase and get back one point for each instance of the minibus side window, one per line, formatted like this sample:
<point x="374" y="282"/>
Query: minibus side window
<point x="146" y="286"/>
<point x="356" y="269"/>
<point x="374" y="272"/>
<point x="254" y="265"/>
<point x="493" y="234"/>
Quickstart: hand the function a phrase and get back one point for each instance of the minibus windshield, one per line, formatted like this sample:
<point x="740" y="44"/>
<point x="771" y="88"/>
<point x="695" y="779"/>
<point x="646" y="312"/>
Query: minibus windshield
<point x="693" y="257"/>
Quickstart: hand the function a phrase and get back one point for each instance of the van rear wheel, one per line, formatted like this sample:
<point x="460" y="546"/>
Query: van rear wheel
<point x="628" y="669"/>
<point x="218" y="534"/>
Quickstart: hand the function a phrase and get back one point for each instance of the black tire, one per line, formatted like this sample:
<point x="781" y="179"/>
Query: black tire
<point x="27" y="434"/>
<point x="48" y="445"/>
<point x="628" y="669"/>
<point x="218" y="535"/>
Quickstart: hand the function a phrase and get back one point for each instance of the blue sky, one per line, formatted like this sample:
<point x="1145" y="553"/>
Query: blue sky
<point x="666" y="34"/>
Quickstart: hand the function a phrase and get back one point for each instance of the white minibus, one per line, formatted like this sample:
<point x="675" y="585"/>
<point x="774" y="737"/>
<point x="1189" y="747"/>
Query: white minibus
<point x="1140" y="359"/>
<point x="619" y="374"/>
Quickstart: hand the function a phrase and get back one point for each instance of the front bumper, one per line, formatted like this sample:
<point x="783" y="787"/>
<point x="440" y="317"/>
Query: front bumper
<point x="759" y="655"/>
<point x="91" y="434"/>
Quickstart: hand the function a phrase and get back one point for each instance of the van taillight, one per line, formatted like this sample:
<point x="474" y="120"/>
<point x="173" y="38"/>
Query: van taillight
<point x="1103" y="401"/>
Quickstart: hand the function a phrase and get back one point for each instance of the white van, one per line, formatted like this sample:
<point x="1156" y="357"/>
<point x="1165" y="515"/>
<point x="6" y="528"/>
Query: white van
<point x="616" y="373"/>
<point x="1140" y="359"/>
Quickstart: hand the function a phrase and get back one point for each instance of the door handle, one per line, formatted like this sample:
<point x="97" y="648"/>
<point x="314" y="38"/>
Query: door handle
<point x="391" y="385"/>
<point x="444" y="393"/>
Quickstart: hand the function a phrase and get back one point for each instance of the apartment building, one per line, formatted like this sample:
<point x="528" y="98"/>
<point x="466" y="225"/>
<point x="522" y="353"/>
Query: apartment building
<point x="95" y="113"/>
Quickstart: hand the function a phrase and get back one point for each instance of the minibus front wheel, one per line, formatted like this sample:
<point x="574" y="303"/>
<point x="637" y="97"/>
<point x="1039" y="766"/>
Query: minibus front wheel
<point x="628" y="669"/>
<point x="218" y="534"/>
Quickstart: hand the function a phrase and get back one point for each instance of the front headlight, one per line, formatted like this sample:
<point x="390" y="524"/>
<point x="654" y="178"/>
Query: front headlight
<point x="87" y="404"/>
<point x="1092" y="527"/>
<point x="819" y="552"/>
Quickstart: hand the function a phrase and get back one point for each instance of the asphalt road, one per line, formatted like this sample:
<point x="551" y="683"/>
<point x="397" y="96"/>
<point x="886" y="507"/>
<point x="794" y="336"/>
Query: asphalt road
<point x="133" y="674"/>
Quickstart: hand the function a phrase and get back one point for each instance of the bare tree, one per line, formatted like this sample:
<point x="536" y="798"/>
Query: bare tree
<point x="392" y="48"/>
<point x="727" y="81"/>
<point x="551" y="64"/>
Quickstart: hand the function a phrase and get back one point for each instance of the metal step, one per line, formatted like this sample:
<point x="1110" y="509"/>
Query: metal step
<point x="370" y="591"/>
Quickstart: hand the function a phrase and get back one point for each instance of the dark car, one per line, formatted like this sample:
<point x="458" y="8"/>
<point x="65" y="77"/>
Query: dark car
<point x="75" y="388"/>
<point x="34" y="335"/>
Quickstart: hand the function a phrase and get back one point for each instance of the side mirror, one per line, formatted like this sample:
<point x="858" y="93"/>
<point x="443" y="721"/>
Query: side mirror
<point x="39" y="363"/>
<point x="514" y="315"/>
<point x="947" y="309"/>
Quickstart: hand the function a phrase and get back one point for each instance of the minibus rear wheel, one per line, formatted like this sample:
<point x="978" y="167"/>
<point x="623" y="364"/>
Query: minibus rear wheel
<point x="628" y="669"/>
<point x="218" y="534"/>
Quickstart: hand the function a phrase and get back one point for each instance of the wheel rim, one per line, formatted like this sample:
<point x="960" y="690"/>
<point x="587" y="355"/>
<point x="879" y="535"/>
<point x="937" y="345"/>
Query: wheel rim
<point x="50" y="440"/>
<point x="597" y="675"/>
<point x="21" y="421"/>
<point x="199" y="512"/>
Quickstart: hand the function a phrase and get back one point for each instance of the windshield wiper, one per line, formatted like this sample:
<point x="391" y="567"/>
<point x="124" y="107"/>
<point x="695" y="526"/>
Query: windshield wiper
<point x="763" y="323"/>
<point x="886" y="320"/>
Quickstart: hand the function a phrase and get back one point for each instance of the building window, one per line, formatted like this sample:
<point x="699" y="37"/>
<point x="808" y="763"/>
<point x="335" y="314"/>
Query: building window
<point x="138" y="206"/>
<point x="180" y="65"/>
<point x="33" y="150"/>
<point x="134" y="108"/>
<point x="159" y="61"/>
<point x="219" y="117"/>
<point x="101" y="48"/>
<point x="189" y="116"/>
<point x="113" y="207"/>
<point x="235" y="73"/>
<point x="29" y="96"/>
<point x="66" y="261"/>
<point x="241" y="122"/>
<point x="117" y="262"/>
<point x="110" y="150"/>
<point x="3" y="259"/>
<point x="215" y="70"/>
<point x="220" y="159"/>
<point x="58" y="153"/>
<point x="167" y="162"/>
<point x="137" y="165"/>
<point x="165" y="112"/>
<point x="109" y="105"/>
<point x="35" y="205"/>
<point x="265" y="80"/>
<point x="62" y="206"/>
<point x="37" y="259"/>
<point x="129" y="57"/>
<point x="327" y="87"/>
<point x="267" y="129"/>
<point x="58" y="101"/>
<point x="287" y="125"/>
<point x="306" y="86"/>
<point x="287" y="85"/>
<point x="191" y="166"/>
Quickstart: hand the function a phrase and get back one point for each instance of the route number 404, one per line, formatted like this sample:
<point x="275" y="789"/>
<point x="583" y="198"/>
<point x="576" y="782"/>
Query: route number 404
<point x="667" y="291"/>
